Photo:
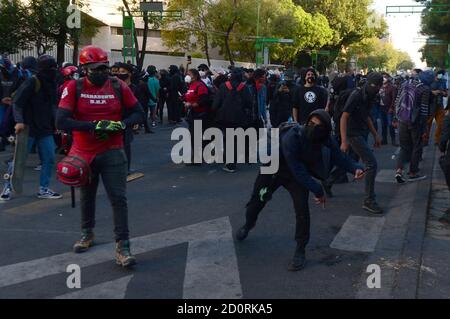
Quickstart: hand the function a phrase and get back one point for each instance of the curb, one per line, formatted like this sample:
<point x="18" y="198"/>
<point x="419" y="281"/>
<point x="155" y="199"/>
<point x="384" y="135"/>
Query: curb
<point x="407" y="277"/>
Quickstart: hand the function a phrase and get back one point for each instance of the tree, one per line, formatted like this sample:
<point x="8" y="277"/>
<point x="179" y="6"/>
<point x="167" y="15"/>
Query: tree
<point x="435" y="25"/>
<point x="351" y="21"/>
<point x="235" y="22"/>
<point x="12" y="14"/>
<point x="180" y="34"/>
<point x="375" y="54"/>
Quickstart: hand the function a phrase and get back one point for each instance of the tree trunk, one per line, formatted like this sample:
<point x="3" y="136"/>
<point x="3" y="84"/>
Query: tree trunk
<point x="60" y="47"/>
<point x="140" y="62"/>
<point x="227" y="41"/>
<point x="206" y="48"/>
<point x="76" y="45"/>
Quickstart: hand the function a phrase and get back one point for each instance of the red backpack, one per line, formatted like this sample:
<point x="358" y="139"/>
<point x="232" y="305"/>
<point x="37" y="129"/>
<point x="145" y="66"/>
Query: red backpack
<point x="73" y="171"/>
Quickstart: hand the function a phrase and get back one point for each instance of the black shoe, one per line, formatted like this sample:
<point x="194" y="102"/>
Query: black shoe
<point x="384" y="142"/>
<point x="416" y="178"/>
<point x="372" y="207"/>
<point x="242" y="233"/>
<point x="299" y="260"/>
<point x="399" y="178"/>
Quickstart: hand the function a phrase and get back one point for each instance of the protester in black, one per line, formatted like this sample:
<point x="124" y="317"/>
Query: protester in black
<point x="301" y="159"/>
<point x="309" y="98"/>
<point x="355" y="124"/>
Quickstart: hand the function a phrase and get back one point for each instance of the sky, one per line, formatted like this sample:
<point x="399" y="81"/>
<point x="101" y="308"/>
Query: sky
<point x="403" y="28"/>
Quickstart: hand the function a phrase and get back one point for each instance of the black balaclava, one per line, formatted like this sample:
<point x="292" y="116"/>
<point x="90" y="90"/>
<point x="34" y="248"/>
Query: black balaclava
<point x="47" y="68"/>
<point x="374" y="83"/>
<point x="319" y="134"/>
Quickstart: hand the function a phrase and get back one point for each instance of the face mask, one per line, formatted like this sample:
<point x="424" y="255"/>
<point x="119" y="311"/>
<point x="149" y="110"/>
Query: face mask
<point x="202" y="74"/>
<point x="123" y="76"/>
<point x="188" y="79"/>
<point x="372" y="90"/>
<point x="440" y="76"/>
<point x="98" y="78"/>
<point x="76" y="76"/>
<point x="317" y="134"/>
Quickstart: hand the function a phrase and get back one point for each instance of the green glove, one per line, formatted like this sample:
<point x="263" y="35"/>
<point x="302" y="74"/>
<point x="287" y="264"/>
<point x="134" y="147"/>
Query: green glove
<point x="109" y="126"/>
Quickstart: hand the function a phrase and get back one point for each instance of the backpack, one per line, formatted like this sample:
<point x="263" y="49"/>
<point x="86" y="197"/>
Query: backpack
<point x="407" y="105"/>
<point x="339" y="104"/>
<point x="211" y="96"/>
<point x="233" y="110"/>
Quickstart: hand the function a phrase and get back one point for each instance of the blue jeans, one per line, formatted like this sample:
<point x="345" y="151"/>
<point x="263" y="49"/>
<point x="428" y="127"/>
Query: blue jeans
<point x="46" y="148"/>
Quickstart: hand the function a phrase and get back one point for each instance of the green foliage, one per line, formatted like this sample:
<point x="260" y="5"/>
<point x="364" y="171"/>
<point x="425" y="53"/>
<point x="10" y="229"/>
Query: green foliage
<point x="12" y="14"/>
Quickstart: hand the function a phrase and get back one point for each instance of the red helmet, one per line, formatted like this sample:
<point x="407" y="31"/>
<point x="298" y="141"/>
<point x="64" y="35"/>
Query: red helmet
<point x="69" y="71"/>
<point x="93" y="56"/>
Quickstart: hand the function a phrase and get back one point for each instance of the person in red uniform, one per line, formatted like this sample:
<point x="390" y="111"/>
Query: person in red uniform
<point x="97" y="115"/>
<point x="196" y="100"/>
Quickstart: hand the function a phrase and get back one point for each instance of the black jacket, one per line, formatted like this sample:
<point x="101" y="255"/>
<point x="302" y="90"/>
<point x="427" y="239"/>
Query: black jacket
<point x="281" y="104"/>
<point x="232" y="107"/>
<point x="34" y="104"/>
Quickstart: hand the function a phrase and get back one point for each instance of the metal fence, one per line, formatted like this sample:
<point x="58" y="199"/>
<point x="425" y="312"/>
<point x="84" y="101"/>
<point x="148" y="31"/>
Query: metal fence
<point x="17" y="57"/>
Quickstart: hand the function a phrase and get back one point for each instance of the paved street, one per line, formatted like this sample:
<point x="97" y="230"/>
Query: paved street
<point x="182" y="220"/>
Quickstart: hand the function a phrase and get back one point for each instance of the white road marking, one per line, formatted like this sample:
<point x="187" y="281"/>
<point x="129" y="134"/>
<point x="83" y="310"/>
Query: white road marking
<point x="114" y="289"/>
<point x="359" y="234"/>
<point x="211" y="270"/>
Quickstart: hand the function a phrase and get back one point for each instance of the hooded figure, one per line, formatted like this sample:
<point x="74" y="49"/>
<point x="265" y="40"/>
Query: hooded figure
<point x="176" y="90"/>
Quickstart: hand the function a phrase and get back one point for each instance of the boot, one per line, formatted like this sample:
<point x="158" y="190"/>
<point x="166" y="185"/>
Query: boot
<point x="86" y="241"/>
<point x="124" y="257"/>
<point x="299" y="260"/>
<point x="242" y="233"/>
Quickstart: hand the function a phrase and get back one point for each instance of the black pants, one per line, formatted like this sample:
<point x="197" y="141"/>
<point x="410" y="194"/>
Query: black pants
<point x="265" y="186"/>
<point x="174" y="109"/>
<point x="161" y="102"/>
<point x="146" y="111"/>
<point x="112" y="167"/>
<point x="410" y="146"/>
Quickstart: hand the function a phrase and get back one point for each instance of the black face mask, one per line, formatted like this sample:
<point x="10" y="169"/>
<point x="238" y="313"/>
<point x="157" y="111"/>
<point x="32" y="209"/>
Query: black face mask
<point x="311" y="79"/>
<point x="48" y="75"/>
<point x="98" y="78"/>
<point x="123" y="77"/>
<point x="317" y="134"/>
<point x="372" y="91"/>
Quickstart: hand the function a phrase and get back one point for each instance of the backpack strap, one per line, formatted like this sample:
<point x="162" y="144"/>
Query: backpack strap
<point x="78" y="88"/>
<point x="37" y="84"/>
<point x="240" y="87"/>
<point x="229" y="86"/>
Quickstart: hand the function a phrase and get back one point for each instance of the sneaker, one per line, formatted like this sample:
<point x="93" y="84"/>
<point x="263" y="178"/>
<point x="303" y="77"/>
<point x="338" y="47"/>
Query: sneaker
<point x="38" y="168"/>
<point x="372" y="207"/>
<point x="86" y="241"/>
<point x="399" y="178"/>
<point x="242" y="233"/>
<point x="230" y="168"/>
<point x="6" y="193"/>
<point x="124" y="257"/>
<point x="154" y="124"/>
<point x="299" y="260"/>
<point x="47" y="193"/>
<point x="416" y="178"/>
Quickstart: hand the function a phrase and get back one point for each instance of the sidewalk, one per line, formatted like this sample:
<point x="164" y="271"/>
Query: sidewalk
<point x="434" y="281"/>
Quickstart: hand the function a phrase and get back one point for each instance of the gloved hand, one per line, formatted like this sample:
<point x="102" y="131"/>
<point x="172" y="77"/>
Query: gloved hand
<point x="109" y="126"/>
<point x="101" y="135"/>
